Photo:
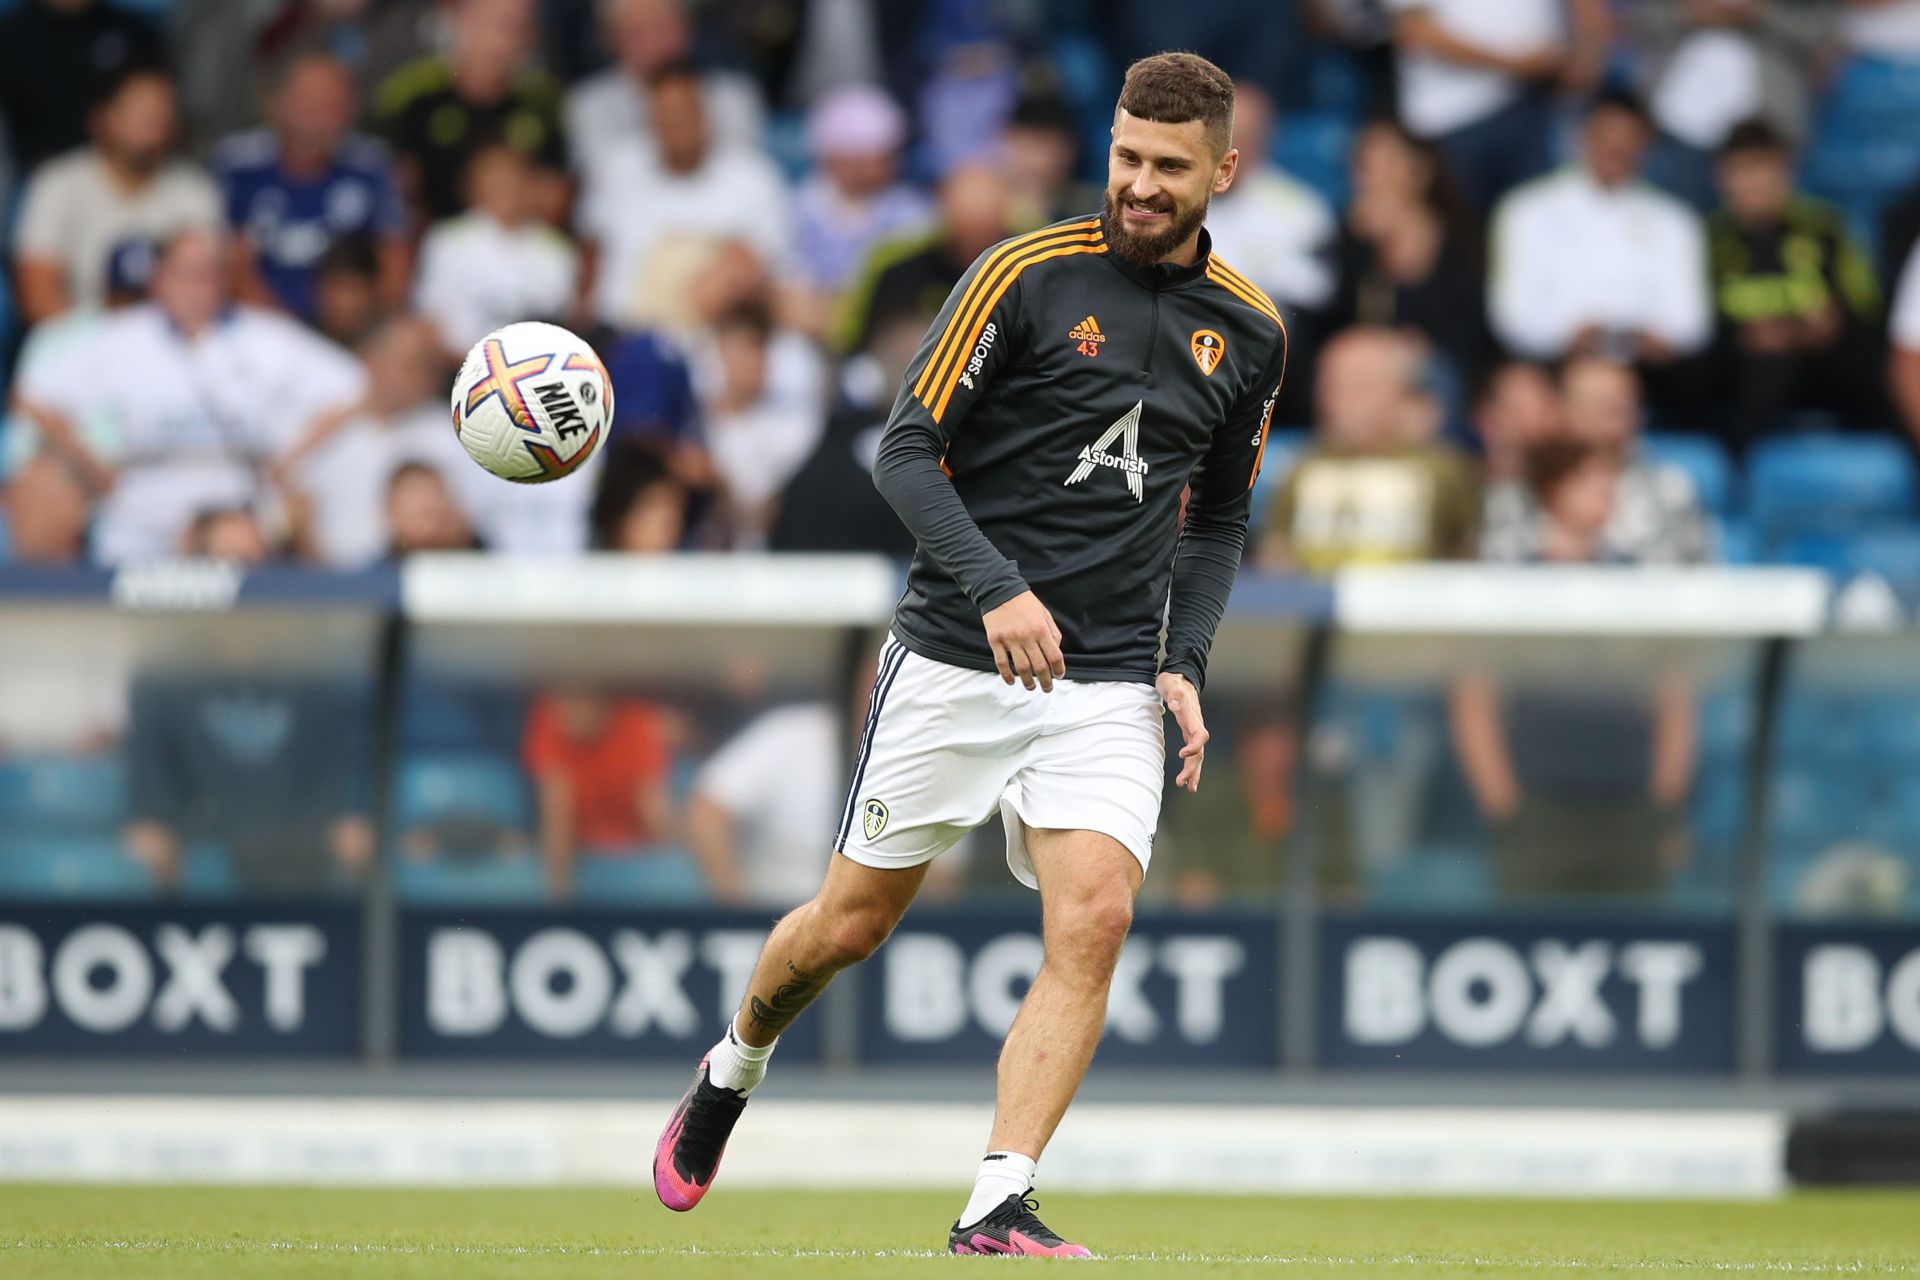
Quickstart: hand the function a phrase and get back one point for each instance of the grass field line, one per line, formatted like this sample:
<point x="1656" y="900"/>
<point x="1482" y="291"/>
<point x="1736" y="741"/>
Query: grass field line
<point x="346" y="1248"/>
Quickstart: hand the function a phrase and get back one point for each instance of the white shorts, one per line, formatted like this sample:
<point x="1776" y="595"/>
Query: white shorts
<point x="946" y="748"/>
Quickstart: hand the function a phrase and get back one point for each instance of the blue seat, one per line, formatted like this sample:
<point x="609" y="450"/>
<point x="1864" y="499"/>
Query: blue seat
<point x="666" y="876"/>
<point x="462" y="881"/>
<point x="1719" y="808"/>
<point x="87" y="868"/>
<point x="1313" y="147"/>
<point x="1726" y="725"/>
<point x="207" y="872"/>
<point x="1890" y="733"/>
<point x="1828" y="484"/>
<point x="1739" y="543"/>
<point x="1705" y="461"/>
<point x="62" y="794"/>
<point x="1816" y="805"/>
<point x="463" y="787"/>
<point x="1891" y="551"/>
<point x="1428" y="878"/>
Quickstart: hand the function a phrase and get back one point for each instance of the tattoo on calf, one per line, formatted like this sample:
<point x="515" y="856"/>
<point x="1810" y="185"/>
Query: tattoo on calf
<point x="789" y="998"/>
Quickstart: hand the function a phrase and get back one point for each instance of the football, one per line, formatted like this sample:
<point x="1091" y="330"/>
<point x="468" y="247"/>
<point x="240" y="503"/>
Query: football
<point x="532" y="402"/>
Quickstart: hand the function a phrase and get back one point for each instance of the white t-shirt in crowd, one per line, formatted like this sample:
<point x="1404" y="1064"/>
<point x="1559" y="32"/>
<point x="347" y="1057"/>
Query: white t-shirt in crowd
<point x="1641" y="265"/>
<point x="75" y="214"/>
<point x="345" y="480"/>
<point x="1904" y="323"/>
<point x="1278" y="233"/>
<point x="653" y="226"/>
<point x="758" y="449"/>
<point x="780" y="781"/>
<point x="609" y="111"/>
<point x="1438" y="95"/>
<point x="199" y="418"/>
<point x="477" y="274"/>
<point x="1712" y="84"/>
<point x="1890" y="30"/>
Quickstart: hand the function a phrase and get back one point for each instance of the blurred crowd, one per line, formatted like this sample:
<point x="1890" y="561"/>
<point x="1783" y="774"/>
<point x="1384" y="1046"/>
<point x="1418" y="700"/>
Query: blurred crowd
<point x="248" y="242"/>
<point x="1554" y="272"/>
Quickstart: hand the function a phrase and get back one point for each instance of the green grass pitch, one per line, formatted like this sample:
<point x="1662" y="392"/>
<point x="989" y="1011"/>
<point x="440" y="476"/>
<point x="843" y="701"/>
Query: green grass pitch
<point x="189" y="1233"/>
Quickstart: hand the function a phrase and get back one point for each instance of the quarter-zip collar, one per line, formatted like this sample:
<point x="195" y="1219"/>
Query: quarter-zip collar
<point x="1161" y="275"/>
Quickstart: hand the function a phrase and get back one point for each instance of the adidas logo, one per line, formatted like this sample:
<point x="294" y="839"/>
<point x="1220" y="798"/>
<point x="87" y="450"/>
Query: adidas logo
<point x="1087" y="330"/>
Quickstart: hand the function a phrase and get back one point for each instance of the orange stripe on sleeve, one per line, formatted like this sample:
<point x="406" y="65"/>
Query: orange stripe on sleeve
<point x="968" y="321"/>
<point x="977" y="287"/>
<point x="993" y="300"/>
<point x="1253" y="299"/>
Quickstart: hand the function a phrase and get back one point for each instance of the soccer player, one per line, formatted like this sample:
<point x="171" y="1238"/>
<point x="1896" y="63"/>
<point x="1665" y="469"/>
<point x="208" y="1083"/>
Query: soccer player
<point x="1080" y="382"/>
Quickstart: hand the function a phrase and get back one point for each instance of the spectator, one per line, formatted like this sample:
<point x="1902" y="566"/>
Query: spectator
<point x="1654" y="514"/>
<point x="1476" y="77"/>
<point x="854" y="198"/>
<point x="1713" y="65"/>
<point x="652" y="390"/>
<point x="496" y="263"/>
<point x="1517" y="408"/>
<point x="611" y="112"/>
<point x="129" y="271"/>
<point x="226" y="533"/>
<point x="57" y="59"/>
<point x="1584" y="786"/>
<point x="656" y="214"/>
<point x="270" y="769"/>
<point x="298" y="188"/>
<point x="340" y="475"/>
<point x="204" y="395"/>
<point x="757" y="436"/>
<point x="1276" y="231"/>
<point x="641" y="506"/>
<point x="600" y="767"/>
<point x="1904" y="326"/>
<point x="912" y="277"/>
<point x="79" y="208"/>
<point x="1040" y="153"/>
<point x="438" y="111"/>
<point x="1377" y="486"/>
<point x="830" y="503"/>
<point x="1636" y="288"/>
<point x="1798" y="303"/>
<point x="346" y="292"/>
<point x="46" y="513"/>
<point x="1409" y="255"/>
<point x="421" y="514"/>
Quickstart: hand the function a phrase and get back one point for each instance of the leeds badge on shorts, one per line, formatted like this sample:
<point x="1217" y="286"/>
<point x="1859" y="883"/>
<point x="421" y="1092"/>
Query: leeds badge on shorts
<point x="873" y="819"/>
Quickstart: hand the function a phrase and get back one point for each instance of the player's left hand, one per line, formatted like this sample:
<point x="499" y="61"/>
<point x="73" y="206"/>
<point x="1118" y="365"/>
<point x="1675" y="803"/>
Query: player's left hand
<point x="1183" y="700"/>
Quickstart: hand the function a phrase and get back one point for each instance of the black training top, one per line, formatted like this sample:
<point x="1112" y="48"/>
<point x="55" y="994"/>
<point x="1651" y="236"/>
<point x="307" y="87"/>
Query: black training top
<point x="1070" y="398"/>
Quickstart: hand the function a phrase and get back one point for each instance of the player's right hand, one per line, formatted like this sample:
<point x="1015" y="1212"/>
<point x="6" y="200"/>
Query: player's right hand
<point x="1025" y="643"/>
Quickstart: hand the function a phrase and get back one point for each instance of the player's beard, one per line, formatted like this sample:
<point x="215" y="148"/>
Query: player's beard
<point x="1145" y="249"/>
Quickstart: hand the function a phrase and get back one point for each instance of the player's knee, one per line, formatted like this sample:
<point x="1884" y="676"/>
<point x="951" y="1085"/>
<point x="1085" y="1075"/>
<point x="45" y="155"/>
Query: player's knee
<point x="1095" y="928"/>
<point x="851" y="936"/>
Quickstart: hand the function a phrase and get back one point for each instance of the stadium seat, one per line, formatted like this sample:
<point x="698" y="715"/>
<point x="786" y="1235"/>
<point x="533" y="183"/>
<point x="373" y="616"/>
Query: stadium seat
<point x="667" y="876"/>
<point x="1433" y="878"/>
<point x="463" y="787"/>
<point x="1816" y="805"/>
<point x="1313" y="147"/>
<point x="1891" y="551"/>
<point x="463" y="881"/>
<point x="208" y="873"/>
<point x="1705" y="461"/>
<point x="45" y="868"/>
<point x="1719" y="808"/>
<point x="62" y="795"/>
<point x="1828" y="484"/>
<point x="1737" y="541"/>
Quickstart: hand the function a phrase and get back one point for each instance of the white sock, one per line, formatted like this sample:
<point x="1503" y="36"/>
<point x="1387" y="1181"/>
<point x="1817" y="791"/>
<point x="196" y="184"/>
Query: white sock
<point x="735" y="1064"/>
<point x="1002" y="1174"/>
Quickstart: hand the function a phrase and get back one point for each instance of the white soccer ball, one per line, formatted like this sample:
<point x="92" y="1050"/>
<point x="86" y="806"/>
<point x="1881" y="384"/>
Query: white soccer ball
<point x="532" y="402"/>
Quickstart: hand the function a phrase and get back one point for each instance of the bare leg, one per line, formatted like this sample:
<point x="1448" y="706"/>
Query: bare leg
<point x="1087" y="885"/>
<point x="853" y="913"/>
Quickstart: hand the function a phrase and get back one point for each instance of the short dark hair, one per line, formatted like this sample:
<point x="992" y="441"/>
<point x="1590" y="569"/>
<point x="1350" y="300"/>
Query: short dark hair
<point x="132" y="73"/>
<point x="355" y="255"/>
<point x="1617" y="98"/>
<point x="1754" y="135"/>
<point x="1173" y="88"/>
